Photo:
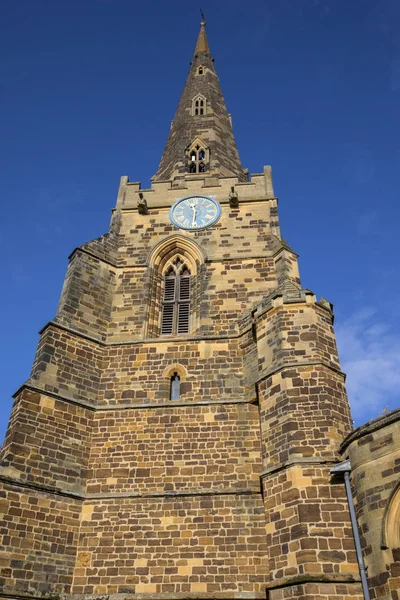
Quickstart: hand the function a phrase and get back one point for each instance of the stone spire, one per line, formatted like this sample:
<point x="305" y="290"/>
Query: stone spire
<point x="200" y="141"/>
<point x="202" y="43"/>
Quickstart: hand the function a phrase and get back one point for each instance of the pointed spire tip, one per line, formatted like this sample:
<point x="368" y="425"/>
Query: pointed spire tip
<point x="202" y="43"/>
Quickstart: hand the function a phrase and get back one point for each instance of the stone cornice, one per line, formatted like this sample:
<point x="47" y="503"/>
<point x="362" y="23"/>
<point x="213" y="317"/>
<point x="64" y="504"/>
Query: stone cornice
<point x="168" y="495"/>
<point x="370" y="427"/>
<point x="92" y="255"/>
<point x="159" y="340"/>
<point x="130" y="596"/>
<point x="73" y="331"/>
<point x="294" y="365"/>
<point x="304" y="579"/>
<point x="168" y="204"/>
<point x="240" y="257"/>
<point x="297" y="461"/>
<point x="133" y="406"/>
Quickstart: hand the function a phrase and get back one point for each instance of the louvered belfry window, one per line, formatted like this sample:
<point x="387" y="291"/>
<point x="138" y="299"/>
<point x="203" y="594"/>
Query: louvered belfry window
<point x="176" y="300"/>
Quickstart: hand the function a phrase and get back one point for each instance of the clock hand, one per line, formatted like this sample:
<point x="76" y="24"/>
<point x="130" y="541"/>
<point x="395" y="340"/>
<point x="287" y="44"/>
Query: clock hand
<point x="194" y="216"/>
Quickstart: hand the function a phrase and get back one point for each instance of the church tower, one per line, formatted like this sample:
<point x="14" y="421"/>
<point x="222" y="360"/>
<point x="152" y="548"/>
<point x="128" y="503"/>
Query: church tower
<point x="186" y="403"/>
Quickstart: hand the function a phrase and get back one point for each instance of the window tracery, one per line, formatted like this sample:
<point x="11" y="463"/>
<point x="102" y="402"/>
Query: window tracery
<point x="175" y="316"/>
<point x="198" y="156"/>
<point x="164" y="256"/>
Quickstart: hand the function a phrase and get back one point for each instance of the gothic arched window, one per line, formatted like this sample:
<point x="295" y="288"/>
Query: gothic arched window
<point x="175" y="317"/>
<point x="175" y="278"/>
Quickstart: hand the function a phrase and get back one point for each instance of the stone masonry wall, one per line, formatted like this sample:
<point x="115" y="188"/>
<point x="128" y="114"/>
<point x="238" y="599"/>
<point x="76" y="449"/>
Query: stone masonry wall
<point x="67" y="364"/>
<point x="86" y="371"/>
<point x="137" y="373"/>
<point x="144" y="497"/>
<point x="245" y="260"/>
<point x="308" y="526"/>
<point x="38" y="542"/>
<point x="47" y="443"/>
<point x="374" y="452"/>
<point x="304" y="415"/>
<point x="209" y="448"/>
<point x="86" y="298"/>
<point x="211" y="546"/>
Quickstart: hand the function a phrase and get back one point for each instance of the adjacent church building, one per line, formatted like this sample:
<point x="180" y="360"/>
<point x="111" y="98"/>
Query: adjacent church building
<point x="180" y="432"/>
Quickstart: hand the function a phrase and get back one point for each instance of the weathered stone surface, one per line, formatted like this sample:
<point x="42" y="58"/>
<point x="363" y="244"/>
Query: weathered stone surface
<point x="110" y="489"/>
<point x="374" y="452"/>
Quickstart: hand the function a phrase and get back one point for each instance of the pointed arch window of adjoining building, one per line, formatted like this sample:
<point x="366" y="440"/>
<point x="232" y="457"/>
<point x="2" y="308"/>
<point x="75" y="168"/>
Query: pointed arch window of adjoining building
<point x="391" y="522"/>
<point x="175" y="317"/>
<point x="199" y="106"/>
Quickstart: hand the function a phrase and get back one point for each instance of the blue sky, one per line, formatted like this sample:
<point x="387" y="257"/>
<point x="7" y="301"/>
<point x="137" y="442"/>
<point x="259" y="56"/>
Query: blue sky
<point x="88" y="89"/>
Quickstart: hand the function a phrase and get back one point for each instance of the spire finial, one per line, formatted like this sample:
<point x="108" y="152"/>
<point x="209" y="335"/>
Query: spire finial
<point x="202" y="44"/>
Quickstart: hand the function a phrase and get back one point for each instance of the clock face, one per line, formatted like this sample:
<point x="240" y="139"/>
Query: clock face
<point x="195" y="212"/>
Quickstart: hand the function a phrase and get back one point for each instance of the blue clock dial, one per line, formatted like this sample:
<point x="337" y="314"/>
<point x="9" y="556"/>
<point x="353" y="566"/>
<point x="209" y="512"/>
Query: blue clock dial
<point x="195" y="212"/>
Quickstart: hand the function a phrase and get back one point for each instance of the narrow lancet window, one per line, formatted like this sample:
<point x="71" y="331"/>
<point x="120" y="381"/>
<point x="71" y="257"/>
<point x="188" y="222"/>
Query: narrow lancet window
<point x="175" y="388"/>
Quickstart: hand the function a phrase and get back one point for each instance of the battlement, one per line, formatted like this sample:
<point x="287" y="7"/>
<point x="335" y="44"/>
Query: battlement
<point x="163" y="194"/>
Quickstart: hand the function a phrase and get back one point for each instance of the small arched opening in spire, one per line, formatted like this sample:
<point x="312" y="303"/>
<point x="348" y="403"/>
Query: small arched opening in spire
<point x="199" y="106"/>
<point x="200" y="70"/>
